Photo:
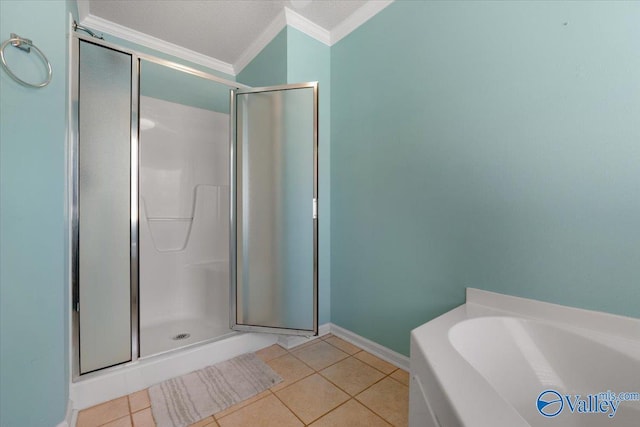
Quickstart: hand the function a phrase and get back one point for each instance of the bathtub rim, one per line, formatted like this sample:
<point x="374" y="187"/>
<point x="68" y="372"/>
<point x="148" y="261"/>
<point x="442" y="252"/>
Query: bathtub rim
<point x="432" y="353"/>
<point x="610" y="324"/>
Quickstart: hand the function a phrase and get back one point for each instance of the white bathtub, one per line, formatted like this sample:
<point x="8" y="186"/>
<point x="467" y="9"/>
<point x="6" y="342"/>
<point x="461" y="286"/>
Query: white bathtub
<point x="493" y="360"/>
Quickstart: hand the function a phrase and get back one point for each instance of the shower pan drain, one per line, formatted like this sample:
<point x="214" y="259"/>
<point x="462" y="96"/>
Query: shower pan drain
<point x="182" y="336"/>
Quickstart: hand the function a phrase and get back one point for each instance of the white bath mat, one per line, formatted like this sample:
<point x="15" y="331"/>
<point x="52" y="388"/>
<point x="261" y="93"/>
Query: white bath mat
<point x="184" y="400"/>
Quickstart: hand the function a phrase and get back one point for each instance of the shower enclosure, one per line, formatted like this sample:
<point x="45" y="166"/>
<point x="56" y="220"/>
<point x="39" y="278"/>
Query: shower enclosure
<point x="183" y="211"/>
<point x="194" y="207"/>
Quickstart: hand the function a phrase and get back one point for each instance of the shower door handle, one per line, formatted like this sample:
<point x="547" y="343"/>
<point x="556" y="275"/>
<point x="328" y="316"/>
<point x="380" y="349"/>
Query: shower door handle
<point x="315" y="208"/>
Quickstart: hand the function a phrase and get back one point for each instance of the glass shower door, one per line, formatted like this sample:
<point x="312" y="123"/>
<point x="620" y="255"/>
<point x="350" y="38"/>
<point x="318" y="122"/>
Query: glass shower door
<point x="274" y="210"/>
<point x="103" y="208"/>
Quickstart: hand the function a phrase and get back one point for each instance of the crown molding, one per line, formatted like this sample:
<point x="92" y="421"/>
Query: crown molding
<point x="308" y="27"/>
<point x="357" y="18"/>
<point x="269" y="33"/>
<point x="284" y="18"/>
<point x="304" y="25"/>
<point x="151" y="42"/>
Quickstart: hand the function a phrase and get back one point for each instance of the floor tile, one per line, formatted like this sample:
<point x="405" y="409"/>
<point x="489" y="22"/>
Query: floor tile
<point x="343" y="345"/>
<point x="306" y="344"/>
<point x="103" y="413"/>
<point x="139" y="400"/>
<point x="352" y="375"/>
<point x="303" y="397"/>
<point x="327" y="336"/>
<point x="351" y="414"/>
<point x="267" y="412"/>
<point x="402" y="376"/>
<point x="242" y="404"/>
<point x="389" y="399"/>
<point x="320" y="355"/>
<point x="120" y="422"/>
<point x="312" y="397"/>
<point x="270" y="352"/>
<point x="143" y="418"/>
<point x="376" y="362"/>
<point x="207" y="422"/>
<point x="290" y="368"/>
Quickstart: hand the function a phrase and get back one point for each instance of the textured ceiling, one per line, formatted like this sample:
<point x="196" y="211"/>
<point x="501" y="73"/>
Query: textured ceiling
<point x="221" y="29"/>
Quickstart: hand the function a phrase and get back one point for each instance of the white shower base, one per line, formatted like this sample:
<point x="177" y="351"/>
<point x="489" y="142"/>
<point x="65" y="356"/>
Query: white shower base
<point x="131" y="377"/>
<point x="159" y="337"/>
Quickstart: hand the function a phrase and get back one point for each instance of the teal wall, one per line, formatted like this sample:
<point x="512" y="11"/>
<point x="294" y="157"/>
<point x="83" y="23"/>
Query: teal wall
<point x="491" y="145"/>
<point x="269" y="67"/>
<point x="293" y="57"/>
<point x="309" y="60"/>
<point x="34" y="372"/>
<point x="484" y="144"/>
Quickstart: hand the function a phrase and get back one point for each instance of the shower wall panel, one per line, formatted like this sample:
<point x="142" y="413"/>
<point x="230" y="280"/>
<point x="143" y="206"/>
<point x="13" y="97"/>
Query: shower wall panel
<point x="184" y="223"/>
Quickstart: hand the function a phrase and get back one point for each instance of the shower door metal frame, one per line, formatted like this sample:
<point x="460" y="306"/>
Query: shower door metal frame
<point x="233" y="232"/>
<point x="75" y="198"/>
<point x="73" y="180"/>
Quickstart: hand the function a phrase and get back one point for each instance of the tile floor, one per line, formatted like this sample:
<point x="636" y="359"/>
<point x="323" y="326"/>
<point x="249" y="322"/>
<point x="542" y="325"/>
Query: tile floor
<point x="328" y="382"/>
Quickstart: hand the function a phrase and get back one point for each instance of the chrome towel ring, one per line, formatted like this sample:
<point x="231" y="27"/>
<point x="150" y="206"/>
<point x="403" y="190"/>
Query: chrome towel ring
<point x="26" y="45"/>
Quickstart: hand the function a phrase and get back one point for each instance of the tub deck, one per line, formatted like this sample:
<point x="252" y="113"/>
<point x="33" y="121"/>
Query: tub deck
<point x="483" y="365"/>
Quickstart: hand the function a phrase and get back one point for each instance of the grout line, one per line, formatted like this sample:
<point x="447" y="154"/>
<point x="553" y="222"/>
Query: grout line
<point x="348" y="355"/>
<point x="116" y="419"/>
<point x="335" y="363"/>
<point x="398" y="381"/>
<point x="377" y="369"/>
<point x="321" y="376"/>
<point x="381" y="379"/>
<point x="289" y="409"/>
<point x="353" y="397"/>
<point x="305" y="345"/>
<point x="359" y="349"/>
<point x="129" y="404"/>
<point x="331" y="410"/>
<point x="312" y="368"/>
<point x="299" y="379"/>
<point x="367" y="406"/>
<point x="374" y="412"/>
<point x="349" y="394"/>
<point x="339" y="388"/>
<point x="313" y="371"/>
<point x="295" y="382"/>
<point x="215" y="418"/>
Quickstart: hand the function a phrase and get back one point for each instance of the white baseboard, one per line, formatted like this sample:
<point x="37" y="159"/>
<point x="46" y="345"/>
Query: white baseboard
<point x="384" y="353"/>
<point x="291" y="341"/>
<point x="69" y="416"/>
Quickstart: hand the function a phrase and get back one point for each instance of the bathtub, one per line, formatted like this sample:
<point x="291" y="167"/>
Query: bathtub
<point x="502" y="361"/>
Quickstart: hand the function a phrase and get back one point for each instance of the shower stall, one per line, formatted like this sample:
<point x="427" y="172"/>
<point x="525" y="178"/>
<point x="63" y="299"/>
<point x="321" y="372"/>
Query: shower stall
<point x="183" y="211"/>
<point x="194" y="208"/>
